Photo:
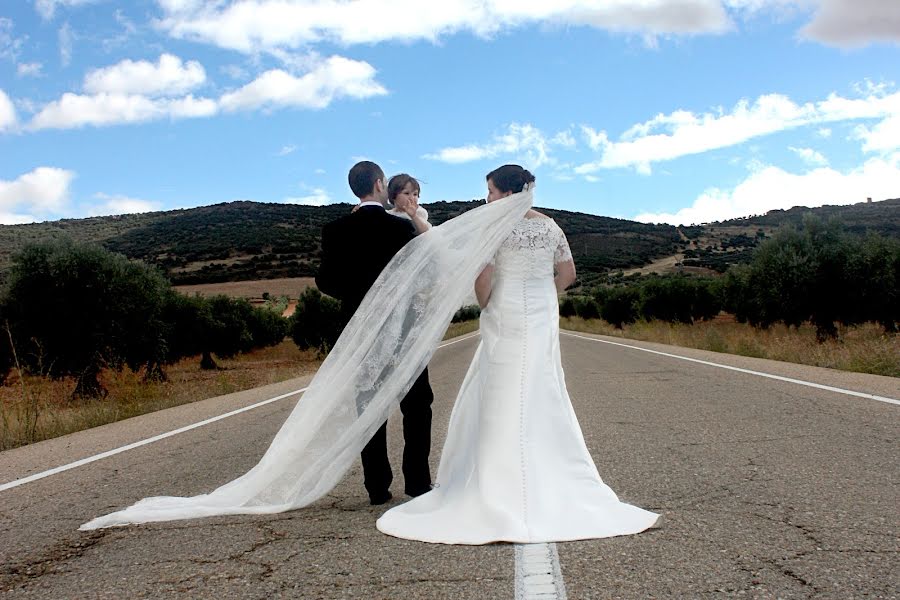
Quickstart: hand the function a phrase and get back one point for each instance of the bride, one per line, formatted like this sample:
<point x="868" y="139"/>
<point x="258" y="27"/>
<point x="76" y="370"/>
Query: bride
<point x="515" y="466"/>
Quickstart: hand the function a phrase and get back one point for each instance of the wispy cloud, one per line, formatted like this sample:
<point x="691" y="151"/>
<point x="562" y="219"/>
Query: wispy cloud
<point x="260" y="25"/>
<point x="285" y="150"/>
<point x="47" y="8"/>
<point x="882" y="137"/>
<point x="682" y="133"/>
<point x="317" y="197"/>
<point x="75" y="110"/>
<point x="142" y="91"/>
<point x="8" y="119"/>
<point x="32" y="69"/>
<point x="770" y="187"/>
<point x="523" y="142"/>
<point x="117" y="204"/>
<point x="169" y="76"/>
<point x="10" y="46"/>
<point x="66" y="42"/>
<point x="809" y="156"/>
<point x="333" y="78"/>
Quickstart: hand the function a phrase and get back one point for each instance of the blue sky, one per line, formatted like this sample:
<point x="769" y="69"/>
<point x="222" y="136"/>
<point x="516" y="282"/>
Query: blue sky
<point x="679" y="111"/>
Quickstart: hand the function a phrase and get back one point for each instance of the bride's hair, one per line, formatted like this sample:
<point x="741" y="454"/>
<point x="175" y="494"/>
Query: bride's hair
<point x="510" y="178"/>
<point x="398" y="182"/>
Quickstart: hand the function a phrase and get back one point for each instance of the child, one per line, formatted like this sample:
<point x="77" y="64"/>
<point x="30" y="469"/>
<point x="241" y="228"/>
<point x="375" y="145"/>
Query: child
<point x="403" y="193"/>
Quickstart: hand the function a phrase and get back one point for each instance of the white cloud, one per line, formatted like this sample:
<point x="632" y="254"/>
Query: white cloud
<point x="285" y="150"/>
<point x="856" y="23"/>
<point x="66" y="41"/>
<point x="254" y="25"/>
<point x="318" y="197"/>
<point x="29" y="69"/>
<point x="44" y="190"/>
<point x="564" y="139"/>
<point x="7" y="113"/>
<point x="75" y="110"/>
<point x="333" y="78"/>
<point x="8" y="218"/>
<point x="771" y="188"/>
<point x="170" y="76"/>
<point x="234" y="71"/>
<point x="130" y="92"/>
<point x="522" y="142"/>
<point x="120" y="205"/>
<point x="10" y="46"/>
<point x="810" y="156"/>
<point x="319" y="171"/>
<point x="883" y="136"/>
<point x="841" y="23"/>
<point x="682" y="133"/>
<point x="823" y="132"/>
<point x="47" y="8"/>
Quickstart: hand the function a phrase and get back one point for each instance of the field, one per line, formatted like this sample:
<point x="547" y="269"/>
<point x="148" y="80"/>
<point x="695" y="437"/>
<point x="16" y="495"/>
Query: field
<point x="864" y="348"/>
<point x="36" y="408"/>
<point x="291" y="287"/>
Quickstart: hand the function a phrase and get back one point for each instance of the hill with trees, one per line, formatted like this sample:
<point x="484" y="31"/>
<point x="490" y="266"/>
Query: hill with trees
<point x="245" y="240"/>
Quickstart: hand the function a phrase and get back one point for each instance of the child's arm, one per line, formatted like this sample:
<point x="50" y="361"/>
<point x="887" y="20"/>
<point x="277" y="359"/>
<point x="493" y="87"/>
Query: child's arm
<point x="419" y="218"/>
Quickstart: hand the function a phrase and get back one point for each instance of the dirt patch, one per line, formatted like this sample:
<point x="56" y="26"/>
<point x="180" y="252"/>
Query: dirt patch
<point x="669" y="264"/>
<point x="291" y="287"/>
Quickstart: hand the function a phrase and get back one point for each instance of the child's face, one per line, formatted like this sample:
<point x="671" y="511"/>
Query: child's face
<point x="408" y="196"/>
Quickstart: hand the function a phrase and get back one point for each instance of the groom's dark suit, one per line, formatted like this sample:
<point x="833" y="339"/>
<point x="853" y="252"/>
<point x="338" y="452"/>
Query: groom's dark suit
<point x="355" y="249"/>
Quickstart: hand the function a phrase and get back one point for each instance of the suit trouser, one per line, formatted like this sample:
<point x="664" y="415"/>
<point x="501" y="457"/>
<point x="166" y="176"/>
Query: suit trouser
<point x="416" y="409"/>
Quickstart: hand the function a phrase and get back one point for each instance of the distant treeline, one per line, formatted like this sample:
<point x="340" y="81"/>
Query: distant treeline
<point x="72" y="310"/>
<point x="817" y="273"/>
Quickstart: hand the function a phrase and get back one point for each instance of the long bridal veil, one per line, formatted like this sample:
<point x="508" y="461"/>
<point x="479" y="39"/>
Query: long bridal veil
<point x="382" y="350"/>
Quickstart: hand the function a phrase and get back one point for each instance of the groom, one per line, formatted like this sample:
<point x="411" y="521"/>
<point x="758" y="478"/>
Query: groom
<point x="355" y="249"/>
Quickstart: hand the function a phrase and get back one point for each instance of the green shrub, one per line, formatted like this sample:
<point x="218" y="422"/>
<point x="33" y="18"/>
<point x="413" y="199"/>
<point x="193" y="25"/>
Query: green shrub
<point x="317" y="322"/>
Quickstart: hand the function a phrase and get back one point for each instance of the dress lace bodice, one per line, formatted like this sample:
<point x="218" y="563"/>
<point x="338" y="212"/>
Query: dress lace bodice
<point x="532" y="249"/>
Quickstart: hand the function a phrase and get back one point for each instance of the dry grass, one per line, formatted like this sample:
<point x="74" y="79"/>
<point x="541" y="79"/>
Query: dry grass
<point x="463" y="328"/>
<point x="863" y="349"/>
<point x="34" y="408"/>
<point x="291" y="287"/>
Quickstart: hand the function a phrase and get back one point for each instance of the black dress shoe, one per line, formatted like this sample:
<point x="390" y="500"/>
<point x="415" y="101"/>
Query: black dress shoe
<point x="380" y="499"/>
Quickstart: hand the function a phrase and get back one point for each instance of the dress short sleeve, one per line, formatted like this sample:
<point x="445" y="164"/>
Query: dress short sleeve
<point x="562" y="253"/>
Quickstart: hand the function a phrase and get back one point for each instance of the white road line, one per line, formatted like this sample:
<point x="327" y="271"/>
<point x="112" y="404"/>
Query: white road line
<point x="740" y="370"/>
<point x="538" y="574"/>
<point x="162" y="436"/>
<point x="156" y="438"/>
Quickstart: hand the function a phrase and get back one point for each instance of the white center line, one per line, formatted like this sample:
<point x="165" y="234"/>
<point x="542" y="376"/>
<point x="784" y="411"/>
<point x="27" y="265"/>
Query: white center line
<point x="740" y="370"/>
<point x="538" y="574"/>
<point x="162" y="436"/>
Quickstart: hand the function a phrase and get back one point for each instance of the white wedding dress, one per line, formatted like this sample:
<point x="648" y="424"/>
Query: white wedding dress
<point x="515" y="466"/>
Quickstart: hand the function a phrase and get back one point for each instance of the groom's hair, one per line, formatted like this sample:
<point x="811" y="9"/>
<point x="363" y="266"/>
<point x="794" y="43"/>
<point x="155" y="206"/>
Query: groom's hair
<point x="362" y="178"/>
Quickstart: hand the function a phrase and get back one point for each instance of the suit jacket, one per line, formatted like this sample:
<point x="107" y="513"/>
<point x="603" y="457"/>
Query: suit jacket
<point x="355" y="249"/>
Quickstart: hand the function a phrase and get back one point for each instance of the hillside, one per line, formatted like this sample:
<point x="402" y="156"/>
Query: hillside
<point x="244" y="240"/>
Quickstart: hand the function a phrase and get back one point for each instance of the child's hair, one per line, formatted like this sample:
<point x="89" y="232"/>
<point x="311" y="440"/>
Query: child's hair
<point x="398" y="182"/>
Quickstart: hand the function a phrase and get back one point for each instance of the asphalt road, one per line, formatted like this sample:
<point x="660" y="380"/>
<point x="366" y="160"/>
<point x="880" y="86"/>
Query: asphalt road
<point x="768" y="489"/>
